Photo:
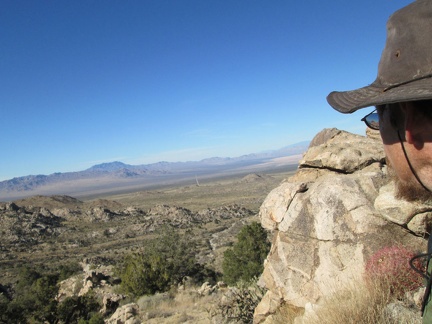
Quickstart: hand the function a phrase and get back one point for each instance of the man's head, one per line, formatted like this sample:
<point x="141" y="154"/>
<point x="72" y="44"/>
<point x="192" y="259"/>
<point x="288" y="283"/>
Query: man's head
<point x="402" y="93"/>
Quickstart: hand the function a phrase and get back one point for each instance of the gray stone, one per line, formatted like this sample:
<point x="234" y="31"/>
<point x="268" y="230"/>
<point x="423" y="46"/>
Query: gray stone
<point x="399" y="313"/>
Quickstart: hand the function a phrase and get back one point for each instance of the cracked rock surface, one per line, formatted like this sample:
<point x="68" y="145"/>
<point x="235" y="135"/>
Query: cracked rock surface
<point x="330" y="217"/>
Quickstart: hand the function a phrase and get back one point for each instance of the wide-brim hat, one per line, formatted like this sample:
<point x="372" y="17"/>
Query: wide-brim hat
<point x="405" y="68"/>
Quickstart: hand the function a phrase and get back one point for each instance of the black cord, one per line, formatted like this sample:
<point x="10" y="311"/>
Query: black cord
<point x="419" y="271"/>
<point x="427" y="276"/>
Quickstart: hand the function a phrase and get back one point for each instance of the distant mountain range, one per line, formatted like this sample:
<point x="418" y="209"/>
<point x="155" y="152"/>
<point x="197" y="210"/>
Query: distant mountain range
<point x="118" y="176"/>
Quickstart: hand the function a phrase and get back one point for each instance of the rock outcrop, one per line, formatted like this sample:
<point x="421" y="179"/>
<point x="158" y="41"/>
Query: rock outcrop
<point x="330" y="217"/>
<point x="20" y="226"/>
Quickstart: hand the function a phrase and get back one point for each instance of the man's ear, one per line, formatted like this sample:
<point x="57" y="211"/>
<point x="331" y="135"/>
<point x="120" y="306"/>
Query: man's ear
<point x="417" y="127"/>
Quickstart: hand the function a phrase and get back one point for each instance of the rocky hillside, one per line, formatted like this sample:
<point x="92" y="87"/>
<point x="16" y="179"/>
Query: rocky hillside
<point x="51" y="232"/>
<point x="48" y="230"/>
<point x="329" y="219"/>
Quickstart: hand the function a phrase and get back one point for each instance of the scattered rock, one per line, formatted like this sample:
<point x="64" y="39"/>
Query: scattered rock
<point x="206" y="289"/>
<point x="399" y="313"/>
<point x="110" y="303"/>
<point x="125" y="315"/>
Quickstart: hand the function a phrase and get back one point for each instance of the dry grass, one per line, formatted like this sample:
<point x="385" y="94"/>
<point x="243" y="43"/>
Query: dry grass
<point x="222" y="306"/>
<point x="182" y="306"/>
<point x="363" y="303"/>
<point x="383" y="295"/>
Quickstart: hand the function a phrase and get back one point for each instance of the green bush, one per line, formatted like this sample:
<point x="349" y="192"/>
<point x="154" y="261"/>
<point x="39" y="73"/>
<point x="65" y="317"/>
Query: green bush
<point x="33" y="297"/>
<point x="78" y="308"/>
<point x="244" y="260"/>
<point x="164" y="262"/>
<point x="33" y="300"/>
<point x="68" y="270"/>
<point x="143" y="274"/>
<point x="95" y="319"/>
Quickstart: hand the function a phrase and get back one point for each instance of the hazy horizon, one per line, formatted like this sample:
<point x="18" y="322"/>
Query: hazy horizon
<point x="162" y="161"/>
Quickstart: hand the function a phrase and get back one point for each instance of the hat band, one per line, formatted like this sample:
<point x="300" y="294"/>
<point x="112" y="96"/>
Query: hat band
<point x="406" y="82"/>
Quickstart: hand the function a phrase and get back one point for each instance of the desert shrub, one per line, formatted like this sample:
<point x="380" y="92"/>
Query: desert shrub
<point x="26" y="277"/>
<point x="240" y="302"/>
<point x="245" y="259"/>
<point x="3" y="303"/>
<point x="78" y="309"/>
<point x="67" y="270"/>
<point x="391" y="265"/>
<point x="44" y="291"/>
<point x="12" y="312"/>
<point x="5" y="315"/>
<point x="164" y="262"/>
<point x="96" y="318"/>
<point x="143" y="274"/>
<point x="33" y="299"/>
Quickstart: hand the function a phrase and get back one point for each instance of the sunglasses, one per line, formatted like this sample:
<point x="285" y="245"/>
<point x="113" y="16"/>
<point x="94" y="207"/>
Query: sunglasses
<point x="371" y="120"/>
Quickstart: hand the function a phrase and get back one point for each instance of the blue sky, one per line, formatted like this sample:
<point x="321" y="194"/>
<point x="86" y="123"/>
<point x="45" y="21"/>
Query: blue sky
<point x="140" y="81"/>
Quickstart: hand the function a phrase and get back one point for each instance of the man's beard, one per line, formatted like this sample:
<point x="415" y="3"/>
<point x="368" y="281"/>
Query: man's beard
<point x="411" y="191"/>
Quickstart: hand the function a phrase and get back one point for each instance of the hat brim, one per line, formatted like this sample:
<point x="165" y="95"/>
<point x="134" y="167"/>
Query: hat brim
<point x="374" y="95"/>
